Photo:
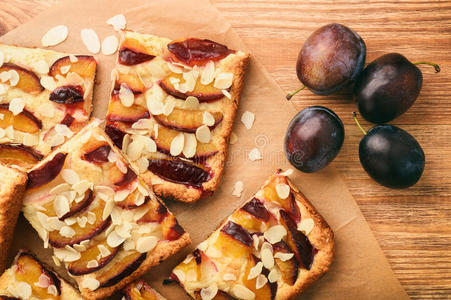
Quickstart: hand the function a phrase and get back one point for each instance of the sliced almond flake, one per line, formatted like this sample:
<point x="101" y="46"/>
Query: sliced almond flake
<point x="112" y="157"/>
<point x="190" y="81"/>
<point x="168" y="108"/>
<point x="90" y="283"/>
<point x="57" y="140"/>
<point x="51" y="290"/>
<point x="121" y="195"/>
<point x="261" y="281"/>
<point x="107" y="210"/>
<point x="208" y="119"/>
<point x="109" y="45"/>
<point x="267" y="255"/>
<point x="154" y="100"/>
<point x="242" y="292"/>
<point x="256" y="241"/>
<point x="190" y="145"/>
<point x="16" y="106"/>
<point x="70" y="195"/>
<point x="223" y="81"/>
<point x="73" y="59"/>
<point x="74" y="78"/>
<point x="255" y="270"/>
<point x="146" y="244"/>
<point x="177" y="144"/>
<point x="209" y="292"/>
<point x="41" y="66"/>
<point x="5" y="76"/>
<point x="46" y="110"/>
<point x="65" y="69"/>
<point x="82" y="221"/>
<point x="191" y="103"/>
<point x="9" y="132"/>
<point x="104" y="251"/>
<point x="43" y="281"/>
<point x="126" y="96"/>
<point x="54" y="223"/>
<point x="56" y="261"/>
<point x="125" y="143"/>
<point x="226" y="93"/>
<point x="114" y="239"/>
<point x="70" y="176"/>
<point x="104" y="189"/>
<point x="140" y="199"/>
<point x="48" y="83"/>
<point x="90" y="40"/>
<point x="118" y="22"/>
<point x="140" y="212"/>
<point x="248" y="119"/>
<point x="55" y="36"/>
<point x="306" y="225"/>
<point x="283" y="256"/>
<point x="203" y="134"/>
<point x="66" y="231"/>
<point x="134" y="150"/>
<point x="208" y="73"/>
<point x="228" y="277"/>
<point x="70" y="221"/>
<point x="14" y="78"/>
<point x="274" y="275"/>
<point x="287" y="172"/>
<point x="143" y="124"/>
<point x="63" y="130"/>
<point x="3" y="87"/>
<point x="21" y="289"/>
<point x="116" y="217"/>
<point x="79" y="248"/>
<point x="175" y="69"/>
<point x="124" y="230"/>
<point x="143" y="164"/>
<point x="92" y="264"/>
<point x="82" y="186"/>
<point x="275" y="234"/>
<point x="30" y="140"/>
<point x="238" y="189"/>
<point x="61" y="206"/>
<point x="91" y="217"/>
<point x="181" y="276"/>
<point x="121" y="166"/>
<point x="255" y="154"/>
<point x="283" y="190"/>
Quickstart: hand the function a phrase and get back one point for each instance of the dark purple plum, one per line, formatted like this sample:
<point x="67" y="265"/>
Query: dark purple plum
<point x="391" y="156"/>
<point x="331" y="58"/>
<point x="237" y="232"/>
<point x="256" y="208"/>
<point x="388" y="87"/>
<point x="313" y="138"/>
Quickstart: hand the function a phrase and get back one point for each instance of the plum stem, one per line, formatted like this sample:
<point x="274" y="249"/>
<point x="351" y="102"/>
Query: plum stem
<point x="290" y="95"/>
<point x="354" y="115"/>
<point x="436" y="66"/>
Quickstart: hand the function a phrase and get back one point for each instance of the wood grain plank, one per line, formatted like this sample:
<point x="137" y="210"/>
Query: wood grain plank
<point x="413" y="225"/>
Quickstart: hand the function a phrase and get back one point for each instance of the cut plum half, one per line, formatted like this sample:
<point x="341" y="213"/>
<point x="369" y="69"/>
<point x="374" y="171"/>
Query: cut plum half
<point x="204" y="93"/>
<point x="132" y="81"/>
<point x="234" y="241"/>
<point x="24" y="121"/>
<point x="132" y="52"/>
<point x="194" y="51"/>
<point x="98" y="154"/>
<point x="74" y="209"/>
<point x="201" y="264"/>
<point x="20" y="155"/>
<point x="254" y="217"/>
<point x="85" y="66"/>
<point x="80" y="234"/>
<point x="46" y="172"/>
<point x="266" y="292"/>
<point x="119" y="113"/>
<point x="289" y="203"/>
<point x="67" y="94"/>
<point x="139" y="290"/>
<point x="82" y="266"/>
<point x="187" y="120"/>
<point x="28" y="82"/>
<point x="115" y="134"/>
<point x="288" y="268"/>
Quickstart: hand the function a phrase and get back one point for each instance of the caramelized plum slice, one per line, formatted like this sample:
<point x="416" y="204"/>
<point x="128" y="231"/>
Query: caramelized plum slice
<point x="20" y="155"/>
<point x="74" y="209"/>
<point x="155" y="214"/>
<point x="120" y="269"/>
<point x="253" y="216"/>
<point x="67" y="94"/>
<point x="166" y="135"/>
<point x="133" y="82"/>
<point x="132" y="52"/>
<point x="139" y="290"/>
<point x="67" y="120"/>
<point x="288" y="268"/>
<point x="28" y="82"/>
<point x="179" y="171"/>
<point x="256" y="208"/>
<point x="289" y="203"/>
<point x="171" y="228"/>
<point x="80" y="267"/>
<point x="201" y="264"/>
<point x="234" y="241"/>
<point x="85" y="66"/>
<point x="266" y="292"/>
<point x="238" y="233"/>
<point x="119" y="113"/>
<point x="120" y="179"/>
<point x="130" y="201"/>
<point x="193" y="51"/>
<point x="186" y="120"/>
<point x="98" y="155"/>
<point x="204" y="93"/>
<point x="115" y="134"/>
<point x="297" y="241"/>
<point x="24" y="121"/>
<point x="46" y="172"/>
<point x="29" y="270"/>
<point x="89" y="231"/>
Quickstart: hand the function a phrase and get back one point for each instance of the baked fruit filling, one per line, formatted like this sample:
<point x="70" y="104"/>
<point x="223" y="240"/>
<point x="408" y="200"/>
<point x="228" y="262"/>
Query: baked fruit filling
<point x="45" y="97"/>
<point x="30" y="279"/>
<point x="140" y="290"/>
<point x="100" y="218"/>
<point x="271" y="247"/>
<point x="171" y="110"/>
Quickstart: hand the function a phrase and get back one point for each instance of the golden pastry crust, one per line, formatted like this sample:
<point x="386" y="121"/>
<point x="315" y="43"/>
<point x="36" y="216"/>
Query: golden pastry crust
<point x="167" y="243"/>
<point x="321" y="238"/>
<point x="236" y="64"/>
<point x="7" y="279"/>
<point x="35" y="69"/>
<point x="11" y="192"/>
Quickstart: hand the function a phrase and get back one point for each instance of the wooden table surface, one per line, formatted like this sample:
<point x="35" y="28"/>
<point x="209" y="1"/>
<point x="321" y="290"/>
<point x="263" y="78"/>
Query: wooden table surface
<point x="413" y="226"/>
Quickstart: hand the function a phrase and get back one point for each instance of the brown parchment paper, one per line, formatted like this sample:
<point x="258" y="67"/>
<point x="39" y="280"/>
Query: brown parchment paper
<point x="359" y="271"/>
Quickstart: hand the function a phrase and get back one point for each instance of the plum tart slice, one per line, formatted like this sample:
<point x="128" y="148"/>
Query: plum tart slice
<point x="172" y="108"/>
<point x="272" y="247"/>
<point x="101" y="219"/>
<point x="140" y="290"/>
<point x="45" y="97"/>
<point x="28" y="278"/>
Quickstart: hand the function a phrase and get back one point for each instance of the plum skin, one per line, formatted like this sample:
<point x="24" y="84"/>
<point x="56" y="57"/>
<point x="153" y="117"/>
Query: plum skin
<point x="313" y="138"/>
<point x="391" y="156"/>
<point x="331" y="58"/>
<point x="387" y="88"/>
